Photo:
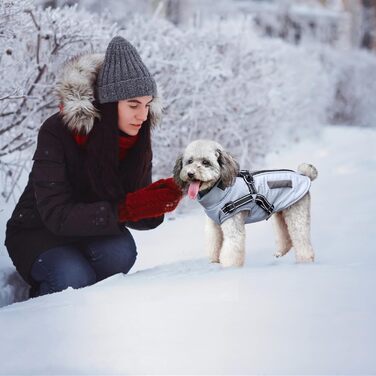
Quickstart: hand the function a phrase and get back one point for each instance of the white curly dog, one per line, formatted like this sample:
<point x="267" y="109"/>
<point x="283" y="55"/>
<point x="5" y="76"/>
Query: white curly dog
<point x="232" y="198"/>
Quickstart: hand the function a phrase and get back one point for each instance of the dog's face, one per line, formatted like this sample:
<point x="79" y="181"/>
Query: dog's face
<point x="202" y="164"/>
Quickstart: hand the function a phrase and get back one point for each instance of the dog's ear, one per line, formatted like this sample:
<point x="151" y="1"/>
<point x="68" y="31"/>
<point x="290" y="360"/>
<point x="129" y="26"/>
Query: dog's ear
<point x="229" y="167"/>
<point x="177" y="168"/>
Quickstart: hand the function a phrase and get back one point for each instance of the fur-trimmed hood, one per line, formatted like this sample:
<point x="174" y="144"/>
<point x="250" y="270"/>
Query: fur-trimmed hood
<point x="76" y="93"/>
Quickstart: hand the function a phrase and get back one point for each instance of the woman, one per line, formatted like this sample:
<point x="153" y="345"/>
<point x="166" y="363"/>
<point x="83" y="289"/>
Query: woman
<point x="91" y="177"/>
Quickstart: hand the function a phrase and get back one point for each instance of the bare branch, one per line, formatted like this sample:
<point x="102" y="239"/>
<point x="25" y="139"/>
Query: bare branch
<point x="11" y="142"/>
<point x="30" y="12"/>
<point x="13" y="97"/>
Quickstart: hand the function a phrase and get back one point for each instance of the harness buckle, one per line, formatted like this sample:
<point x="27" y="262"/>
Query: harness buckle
<point x="243" y="173"/>
<point x="248" y="178"/>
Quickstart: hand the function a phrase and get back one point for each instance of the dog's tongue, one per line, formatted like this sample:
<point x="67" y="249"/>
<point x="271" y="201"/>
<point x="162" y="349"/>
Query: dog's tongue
<point x="193" y="189"/>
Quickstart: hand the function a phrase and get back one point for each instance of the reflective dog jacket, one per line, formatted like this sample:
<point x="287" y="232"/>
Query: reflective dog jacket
<point x="278" y="189"/>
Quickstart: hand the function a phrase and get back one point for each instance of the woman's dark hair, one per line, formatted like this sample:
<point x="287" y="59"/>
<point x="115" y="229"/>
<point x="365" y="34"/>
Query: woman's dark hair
<point x="109" y="179"/>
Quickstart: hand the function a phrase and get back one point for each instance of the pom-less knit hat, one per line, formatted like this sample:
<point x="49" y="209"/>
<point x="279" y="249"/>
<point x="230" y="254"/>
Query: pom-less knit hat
<point x="123" y="74"/>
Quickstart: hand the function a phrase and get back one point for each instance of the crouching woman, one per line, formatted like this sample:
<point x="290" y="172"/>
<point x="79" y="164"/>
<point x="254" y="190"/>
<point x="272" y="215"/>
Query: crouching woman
<point x="91" y="177"/>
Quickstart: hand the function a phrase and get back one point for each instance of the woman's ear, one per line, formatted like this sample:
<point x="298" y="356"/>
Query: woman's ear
<point x="229" y="167"/>
<point x="177" y="168"/>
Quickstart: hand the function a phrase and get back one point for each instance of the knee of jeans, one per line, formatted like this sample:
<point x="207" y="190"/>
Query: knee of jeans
<point x="127" y="258"/>
<point x="75" y="276"/>
<point x="128" y="246"/>
<point x="132" y="250"/>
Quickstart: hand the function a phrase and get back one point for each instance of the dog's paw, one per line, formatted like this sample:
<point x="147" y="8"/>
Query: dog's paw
<point x="231" y="260"/>
<point x="306" y="258"/>
<point x="213" y="256"/>
<point x="278" y="254"/>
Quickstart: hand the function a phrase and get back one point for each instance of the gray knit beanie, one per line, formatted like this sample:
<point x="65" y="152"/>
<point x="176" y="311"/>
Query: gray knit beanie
<point x="123" y="74"/>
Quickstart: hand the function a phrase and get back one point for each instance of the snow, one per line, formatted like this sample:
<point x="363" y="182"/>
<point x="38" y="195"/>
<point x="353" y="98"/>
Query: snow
<point x="178" y="314"/>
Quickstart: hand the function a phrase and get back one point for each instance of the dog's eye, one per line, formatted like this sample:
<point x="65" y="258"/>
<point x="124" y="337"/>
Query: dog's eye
<point x="189" y="161"/>
<point x="206" y="163"/>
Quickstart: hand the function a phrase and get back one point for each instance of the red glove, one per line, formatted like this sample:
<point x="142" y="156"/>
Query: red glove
<point x="154" y="200"/>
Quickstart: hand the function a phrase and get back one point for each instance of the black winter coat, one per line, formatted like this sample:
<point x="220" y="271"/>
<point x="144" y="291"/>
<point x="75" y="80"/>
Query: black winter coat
<point x="57" y="206"/>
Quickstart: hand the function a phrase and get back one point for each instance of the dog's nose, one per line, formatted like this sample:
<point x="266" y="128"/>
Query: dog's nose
<point x="191" y="175"/>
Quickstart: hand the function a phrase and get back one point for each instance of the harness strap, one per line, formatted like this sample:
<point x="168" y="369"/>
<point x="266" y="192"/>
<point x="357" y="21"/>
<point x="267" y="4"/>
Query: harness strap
<point x="260" y="200"/>
<point x="248" y="178"/>
<point x="264" y="204"/>
<point x="233" y="205"/>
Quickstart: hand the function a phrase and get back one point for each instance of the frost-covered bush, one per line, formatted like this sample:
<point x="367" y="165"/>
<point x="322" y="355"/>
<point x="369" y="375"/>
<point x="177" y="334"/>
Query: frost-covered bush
<point x="355" y="88"/>
<point x="222" y="82"/>
<point x="229" y="85"/>
<point x="252" y="93"/>
<point x="299" y="24"/>
<point x="33" y="44"/>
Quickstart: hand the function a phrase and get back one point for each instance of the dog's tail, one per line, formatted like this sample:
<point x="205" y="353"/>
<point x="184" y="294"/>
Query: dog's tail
<point x="308" y="170"/>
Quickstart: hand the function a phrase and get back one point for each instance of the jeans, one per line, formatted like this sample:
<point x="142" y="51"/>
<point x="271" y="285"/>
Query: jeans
<point x="83" y="264"/>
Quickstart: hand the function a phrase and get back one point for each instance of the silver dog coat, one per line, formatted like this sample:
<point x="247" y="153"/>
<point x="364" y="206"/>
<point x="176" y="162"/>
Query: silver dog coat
<point x="280" y="188"/>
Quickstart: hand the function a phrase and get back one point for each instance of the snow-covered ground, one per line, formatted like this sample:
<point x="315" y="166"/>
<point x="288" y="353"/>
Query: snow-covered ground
<point x="178" y="314"/>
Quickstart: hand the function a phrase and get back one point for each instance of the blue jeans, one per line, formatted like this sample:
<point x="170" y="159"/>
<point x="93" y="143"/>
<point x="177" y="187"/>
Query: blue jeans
<point x="83" y="264"/>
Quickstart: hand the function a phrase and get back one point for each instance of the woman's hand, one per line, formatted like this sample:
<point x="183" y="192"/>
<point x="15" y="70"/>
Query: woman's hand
<point x="152" y="201"/>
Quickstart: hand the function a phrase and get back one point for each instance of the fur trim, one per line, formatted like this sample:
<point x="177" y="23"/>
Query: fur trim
<point x="156" y="110"/>
<point x="75" y="90"/>
<point x="76" y="93"/>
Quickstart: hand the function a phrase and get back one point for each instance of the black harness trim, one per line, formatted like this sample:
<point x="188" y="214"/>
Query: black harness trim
<point x="260" y="200"/>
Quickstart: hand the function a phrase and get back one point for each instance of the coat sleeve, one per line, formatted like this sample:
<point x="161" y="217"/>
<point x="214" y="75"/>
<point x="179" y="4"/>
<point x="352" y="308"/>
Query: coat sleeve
<point x="53" y="193"/>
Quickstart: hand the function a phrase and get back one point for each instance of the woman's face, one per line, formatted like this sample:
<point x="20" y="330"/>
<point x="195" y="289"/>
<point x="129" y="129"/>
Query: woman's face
<point x="132" y="113"/>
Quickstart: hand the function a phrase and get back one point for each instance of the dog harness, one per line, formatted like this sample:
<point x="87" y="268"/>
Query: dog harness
<point x="261" y="193"/>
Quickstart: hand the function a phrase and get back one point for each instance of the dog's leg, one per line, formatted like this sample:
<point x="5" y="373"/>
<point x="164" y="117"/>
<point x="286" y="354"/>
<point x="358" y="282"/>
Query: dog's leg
<point x="233" y="248"/>
<point x="283" y="239"/>
<point x="214" y="239"/>
<point x="298" y="220"/>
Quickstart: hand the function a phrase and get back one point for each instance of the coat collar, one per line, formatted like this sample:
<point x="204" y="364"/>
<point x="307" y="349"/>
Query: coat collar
<point x="76" y="93"/>
<point x="214" y="196"/>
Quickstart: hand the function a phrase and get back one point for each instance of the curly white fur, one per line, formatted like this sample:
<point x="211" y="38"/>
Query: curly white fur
<point x="207" y="162"/>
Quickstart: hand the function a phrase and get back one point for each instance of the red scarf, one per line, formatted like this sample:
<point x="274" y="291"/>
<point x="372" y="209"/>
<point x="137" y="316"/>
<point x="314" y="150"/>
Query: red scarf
<point x="125" y="143"/>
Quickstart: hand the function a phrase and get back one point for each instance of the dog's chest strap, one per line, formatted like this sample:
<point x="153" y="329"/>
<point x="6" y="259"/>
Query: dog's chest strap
<point x="259" y="199"/>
